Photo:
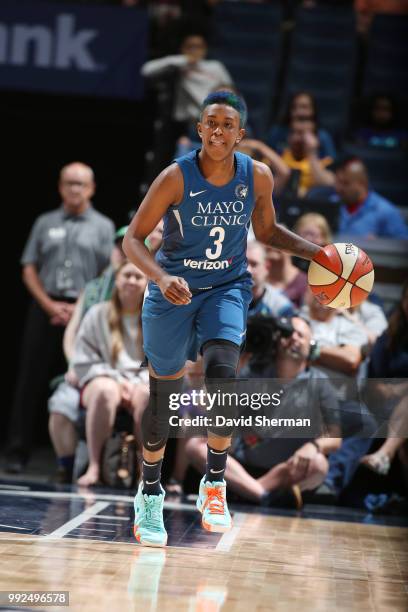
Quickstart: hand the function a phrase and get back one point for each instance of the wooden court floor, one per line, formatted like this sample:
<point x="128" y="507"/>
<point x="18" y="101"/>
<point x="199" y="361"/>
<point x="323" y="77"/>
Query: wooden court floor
<point x="267" y="563"/>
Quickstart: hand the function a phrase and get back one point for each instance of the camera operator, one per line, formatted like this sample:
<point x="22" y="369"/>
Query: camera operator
<point x="274" y="471"/>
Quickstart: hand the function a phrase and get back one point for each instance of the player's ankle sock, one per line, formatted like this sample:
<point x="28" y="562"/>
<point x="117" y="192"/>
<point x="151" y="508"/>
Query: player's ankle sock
<point x="216" y="464"/>
<point x="151" y="477"/>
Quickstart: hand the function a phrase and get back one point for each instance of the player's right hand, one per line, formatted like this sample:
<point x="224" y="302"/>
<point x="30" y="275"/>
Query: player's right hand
<point x="175" y="290"/>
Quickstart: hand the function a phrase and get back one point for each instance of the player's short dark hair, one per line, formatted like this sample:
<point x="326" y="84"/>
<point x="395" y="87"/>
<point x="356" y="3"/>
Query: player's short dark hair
<point x="230" y="99"/>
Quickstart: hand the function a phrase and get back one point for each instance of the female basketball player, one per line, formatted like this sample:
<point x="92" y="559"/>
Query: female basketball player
<point x="199" y="290"/>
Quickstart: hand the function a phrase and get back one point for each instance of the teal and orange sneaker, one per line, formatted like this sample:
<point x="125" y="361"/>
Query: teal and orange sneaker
<point x="212" y="504"/>
<point x="149" y="527"/>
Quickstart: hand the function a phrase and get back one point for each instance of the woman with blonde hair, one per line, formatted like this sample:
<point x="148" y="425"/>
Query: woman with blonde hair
<point x="108" y="359"/>
<point x="288" y="273"/>
<point x="314" y="227"/>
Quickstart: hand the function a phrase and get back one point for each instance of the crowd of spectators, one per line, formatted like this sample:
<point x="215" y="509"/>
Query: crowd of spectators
<point x="86" y="300"/>
<point x="327" y="360"/>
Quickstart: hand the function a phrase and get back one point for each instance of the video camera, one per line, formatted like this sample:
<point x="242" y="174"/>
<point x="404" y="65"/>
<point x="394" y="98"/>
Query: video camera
<point x="263" y="335"/>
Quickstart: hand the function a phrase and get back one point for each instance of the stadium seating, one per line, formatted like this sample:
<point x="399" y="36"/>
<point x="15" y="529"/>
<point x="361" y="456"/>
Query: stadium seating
<point x="322" y="61"/>
<point x="247" y="39"/>
<point x="386" y="69"/>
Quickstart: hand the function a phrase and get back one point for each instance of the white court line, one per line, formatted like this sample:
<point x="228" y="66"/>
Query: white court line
<point x="93" y="496"/>
<point x="17" y="487"/>
<point x="76" y="521"/>
<point x="14" y="527"/>
<point x="117" y="518"/>
<point x="229" y="537"/>
<point x="91" y="539"/>
<point x="92" y="530"/>
<point x="224" y="545"/>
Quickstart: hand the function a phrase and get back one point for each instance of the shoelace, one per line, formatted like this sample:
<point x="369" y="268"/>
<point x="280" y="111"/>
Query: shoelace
<point x="215" y="500"/>
<point x="153" y="513"/>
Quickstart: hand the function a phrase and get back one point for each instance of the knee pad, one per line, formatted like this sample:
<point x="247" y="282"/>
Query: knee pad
<point x="220" y="364"/>
<point x="220" y="359"/>
<point x="155" y="420"/>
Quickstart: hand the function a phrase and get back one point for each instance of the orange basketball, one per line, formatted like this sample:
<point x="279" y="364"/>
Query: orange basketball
<point x="341" y="276"/>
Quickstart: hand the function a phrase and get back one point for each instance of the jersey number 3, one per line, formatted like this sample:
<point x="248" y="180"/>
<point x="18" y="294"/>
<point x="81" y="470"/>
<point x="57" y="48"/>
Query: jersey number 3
<point x="220" y="232"/>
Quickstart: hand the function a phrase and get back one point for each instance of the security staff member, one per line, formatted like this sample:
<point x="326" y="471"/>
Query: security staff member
<point x="67" y="247"/>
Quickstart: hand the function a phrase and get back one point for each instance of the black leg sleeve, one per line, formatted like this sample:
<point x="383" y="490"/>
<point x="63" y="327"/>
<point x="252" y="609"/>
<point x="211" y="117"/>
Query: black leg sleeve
<point x="155" y="421"/>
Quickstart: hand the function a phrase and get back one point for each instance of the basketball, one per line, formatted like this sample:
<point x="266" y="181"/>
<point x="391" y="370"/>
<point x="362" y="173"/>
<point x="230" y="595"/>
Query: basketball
<point x="341" y="276"/>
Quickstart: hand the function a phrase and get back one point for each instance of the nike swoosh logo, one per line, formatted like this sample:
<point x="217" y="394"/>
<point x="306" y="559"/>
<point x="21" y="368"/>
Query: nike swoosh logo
<point x="196" y="193"/>
<point x="243" y="333"/>
<point x="216" y="471"/>
<point x="153" y="443"/>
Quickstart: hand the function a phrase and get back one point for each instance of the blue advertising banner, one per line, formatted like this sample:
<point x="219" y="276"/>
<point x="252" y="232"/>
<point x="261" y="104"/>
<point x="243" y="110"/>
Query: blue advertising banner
<point x="62" y="48"/>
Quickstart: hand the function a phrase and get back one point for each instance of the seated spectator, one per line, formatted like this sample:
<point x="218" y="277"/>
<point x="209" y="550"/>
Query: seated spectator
<point x="389" y="357"/>
<point x="313" y="227"/>
<point x="272" y="471"/>
<point x="340" y="340"/>
<point x="266" y="300"/>
<point x="63" y="405"/>
<point x="371" y="318"/>
<point x="339" y="354"/>
<point x="285" y="276"/>
<point x="380" y="124"/>
<point x="364" y="212"/>
<point x="389" y="360"/>
<point x="260" y="151"/>
<point x="302" y="105"/>
<point x="302" y="157"/>
<point x="107" y="361"/>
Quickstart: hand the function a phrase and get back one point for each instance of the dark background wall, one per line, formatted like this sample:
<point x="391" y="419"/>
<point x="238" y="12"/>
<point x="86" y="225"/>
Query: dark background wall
<point x="40" y="134"/>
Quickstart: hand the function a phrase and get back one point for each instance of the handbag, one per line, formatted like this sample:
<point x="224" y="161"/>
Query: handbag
<point x="119" y="464"/>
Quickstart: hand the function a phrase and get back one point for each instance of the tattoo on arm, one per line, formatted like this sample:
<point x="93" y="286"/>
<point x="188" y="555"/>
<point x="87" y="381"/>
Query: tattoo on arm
<point x="290" y="242"/>
<point x="258" y="217"/>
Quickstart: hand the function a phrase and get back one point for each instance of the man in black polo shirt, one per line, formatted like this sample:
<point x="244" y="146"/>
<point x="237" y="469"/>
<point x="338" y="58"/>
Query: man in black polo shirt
<point x="67" y="247"/>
